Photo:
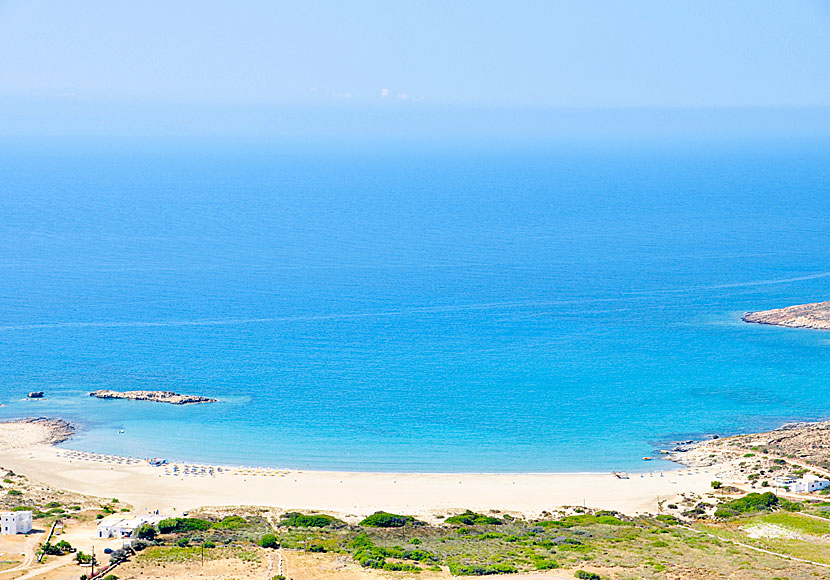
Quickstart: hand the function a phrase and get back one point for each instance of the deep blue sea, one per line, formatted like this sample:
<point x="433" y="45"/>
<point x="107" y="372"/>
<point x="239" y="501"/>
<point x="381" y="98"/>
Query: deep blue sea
<point x="426" y="308"/>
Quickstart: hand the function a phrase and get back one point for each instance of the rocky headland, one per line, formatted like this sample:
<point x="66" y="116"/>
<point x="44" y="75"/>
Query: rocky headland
<point x="815" y="316"/>
<point x="154" y="396"/>
<point x="34" y="430"/>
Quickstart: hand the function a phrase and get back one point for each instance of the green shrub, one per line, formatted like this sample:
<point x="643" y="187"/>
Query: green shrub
<point x="398" y="567"/>
<point x="470" y="518"/>
<point x="23" y="508"/>
<point x="183" y="542"/>
<point x="208" y="544"/>
<point x="146" y="532"/>
<point x="179" y="525"/>
<point x="545" y="564"/>
<point x="585" y="520"/>
<point x="298" y="520"/>
<point x="583" y="575"/>
<point x="480" y="569"/>
<point x="269" y="541"/>
<point x="14" y="492"/>
<point x="754" y="502"/>
<point x="387" y="520"/>
<point x="230" y="523"/>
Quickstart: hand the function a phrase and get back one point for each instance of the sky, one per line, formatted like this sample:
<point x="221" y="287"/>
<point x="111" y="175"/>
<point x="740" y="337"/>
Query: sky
<point x="66" y="63"/>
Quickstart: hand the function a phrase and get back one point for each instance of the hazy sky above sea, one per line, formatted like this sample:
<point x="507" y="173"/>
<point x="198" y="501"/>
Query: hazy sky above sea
<point x="262" y="67"/>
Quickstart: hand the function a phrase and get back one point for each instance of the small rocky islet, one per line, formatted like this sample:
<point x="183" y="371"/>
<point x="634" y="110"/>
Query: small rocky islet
<point x="815" y="316"/>
<point x="153" y="396"/>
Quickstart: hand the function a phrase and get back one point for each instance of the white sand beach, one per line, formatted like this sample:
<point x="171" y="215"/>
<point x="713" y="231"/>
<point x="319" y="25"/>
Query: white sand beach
<point x="24" y="448"/>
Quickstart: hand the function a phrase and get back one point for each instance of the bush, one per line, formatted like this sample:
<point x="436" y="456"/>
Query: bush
<point x="545" y="564"/>
<point x="470" y="518"/>
<point x="230" y="523"/>
<point x="183" y="542"/>
<point x="584" y="520"/>
<point x="716" y="484"/>
<point x="583" y="575"/>
<point x="208" y="544"/>
<point x="179" y="525"/>
<point x="481" y="570"/>
<point x="755" y="502"/>
<point x="387" y="520"/>
<point x="298" y="520"/>
<point x="146" y="532"/>
<point x="14" y="492"/>
<point x="139" y="545"/>
<point x="398" y="567"/>
<point x="269" y="541"/>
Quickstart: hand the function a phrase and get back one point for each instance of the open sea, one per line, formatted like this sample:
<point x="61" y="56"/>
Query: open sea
<point x="434" y="308"/>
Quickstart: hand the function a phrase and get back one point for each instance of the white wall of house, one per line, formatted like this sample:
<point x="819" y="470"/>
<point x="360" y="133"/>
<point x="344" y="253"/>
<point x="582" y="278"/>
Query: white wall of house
<point x="16" y="522"/>
<point x="809" y="485"/>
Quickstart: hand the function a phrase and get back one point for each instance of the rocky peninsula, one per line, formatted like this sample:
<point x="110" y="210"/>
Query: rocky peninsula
<point x="154" y="396"/>
<point x="815" y="316"/>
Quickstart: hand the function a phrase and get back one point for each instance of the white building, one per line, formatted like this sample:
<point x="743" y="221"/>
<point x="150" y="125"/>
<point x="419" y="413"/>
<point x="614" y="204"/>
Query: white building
<point x="784" y="480"/>
<point x="118" y="527"/>
<point x="16" y="522"/>
<point x="808" y="485"/>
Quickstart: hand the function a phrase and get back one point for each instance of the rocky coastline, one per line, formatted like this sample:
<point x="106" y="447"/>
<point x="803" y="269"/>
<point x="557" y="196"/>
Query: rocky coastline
<point x="57" y="430"/>
<point x="153" y="396"/>
<point x="814" y="316"/>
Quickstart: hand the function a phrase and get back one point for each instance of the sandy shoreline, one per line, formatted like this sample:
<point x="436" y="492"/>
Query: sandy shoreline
<point x="25" y="448"/>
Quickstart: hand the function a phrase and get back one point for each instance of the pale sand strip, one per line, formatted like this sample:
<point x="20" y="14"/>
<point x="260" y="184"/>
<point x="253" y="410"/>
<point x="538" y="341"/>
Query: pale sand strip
<point x="348" y="494"/>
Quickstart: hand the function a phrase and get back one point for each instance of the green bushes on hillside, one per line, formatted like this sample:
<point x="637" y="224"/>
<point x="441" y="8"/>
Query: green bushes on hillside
<point x="298" y="520"/>
<point x="179" y="525"/>
<point x="754" y="502"/>
<point x="470" y="518"/>
<point x="387" y="520"/>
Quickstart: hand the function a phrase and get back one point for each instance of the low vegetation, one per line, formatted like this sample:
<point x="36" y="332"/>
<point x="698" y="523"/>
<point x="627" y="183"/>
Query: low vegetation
<point x="484" y="544"/>
<point x="387" y="520"/>
<point x="754" y="502"/>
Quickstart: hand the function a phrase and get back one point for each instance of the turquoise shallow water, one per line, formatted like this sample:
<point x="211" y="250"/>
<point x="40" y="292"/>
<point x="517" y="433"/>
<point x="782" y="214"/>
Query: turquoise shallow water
<point x="372" y="308"/>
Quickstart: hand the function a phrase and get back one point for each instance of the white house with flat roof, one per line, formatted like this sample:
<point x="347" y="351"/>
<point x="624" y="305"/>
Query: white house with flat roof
<point x="809" y="485"/>
<point x="16" y="522"/>
<point x="120" y="527"/>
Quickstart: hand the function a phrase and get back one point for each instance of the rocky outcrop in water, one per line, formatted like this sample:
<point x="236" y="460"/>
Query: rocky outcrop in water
<point x="154" y="396"/>
<point x="815" y="316"/>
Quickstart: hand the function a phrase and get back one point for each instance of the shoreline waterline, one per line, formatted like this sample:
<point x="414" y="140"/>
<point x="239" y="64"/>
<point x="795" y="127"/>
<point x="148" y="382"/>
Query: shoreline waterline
<point x="189" y="486"/>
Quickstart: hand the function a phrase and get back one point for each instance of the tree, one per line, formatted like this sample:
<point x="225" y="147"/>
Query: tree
<point x="716" y="484"/>
<point x="146" y="532"/>
<point x="269" y="541"/>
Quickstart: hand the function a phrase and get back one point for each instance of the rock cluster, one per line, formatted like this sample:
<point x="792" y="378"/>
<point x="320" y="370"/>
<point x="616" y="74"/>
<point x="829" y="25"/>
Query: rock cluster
<point x="154" y="396"/>
<point x="815" y="316"/>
